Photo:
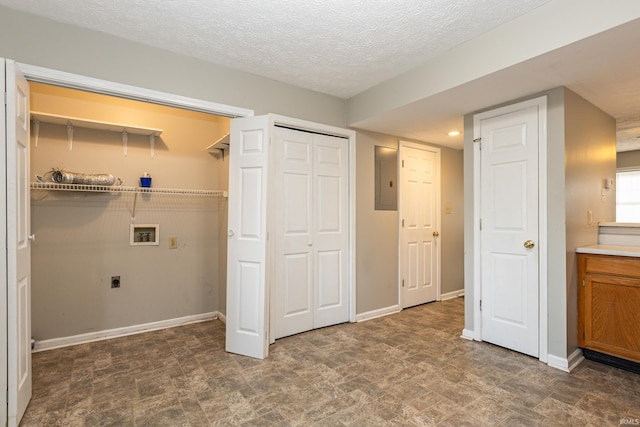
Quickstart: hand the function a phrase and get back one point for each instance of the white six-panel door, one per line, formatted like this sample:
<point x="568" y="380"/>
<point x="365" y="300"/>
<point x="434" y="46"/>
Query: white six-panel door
<point x="509" y="228"/>
<point x="309" y="232"/>
<point x="247" y="311"/>
<point x="419" y="228"/>
<point x="18" y="244"/>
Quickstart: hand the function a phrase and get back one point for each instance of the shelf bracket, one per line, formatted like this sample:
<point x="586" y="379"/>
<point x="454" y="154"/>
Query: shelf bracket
<point x="125" y="140"/>
<point x="70" y="129"/>
<point x="152" y="144"/>
<point x="36" y="130"/>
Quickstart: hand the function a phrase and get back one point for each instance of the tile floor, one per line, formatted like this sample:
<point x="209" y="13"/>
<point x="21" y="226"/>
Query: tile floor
<point x="407" y="369"/>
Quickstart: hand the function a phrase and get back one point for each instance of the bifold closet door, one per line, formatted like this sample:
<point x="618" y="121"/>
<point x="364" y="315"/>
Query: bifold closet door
<point x="309" y="231"/>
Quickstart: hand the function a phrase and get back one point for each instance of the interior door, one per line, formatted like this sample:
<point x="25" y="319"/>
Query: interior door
<point x="309" y="231"/>
<point x="509" y="229"/>
<point x="18" y="244"/>
<point x="247" y="311"/>
<point x="419" y="227"/>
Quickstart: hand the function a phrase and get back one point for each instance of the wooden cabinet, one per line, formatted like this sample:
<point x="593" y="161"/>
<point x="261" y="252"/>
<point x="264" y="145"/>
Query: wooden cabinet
<point x="609" y="305"/>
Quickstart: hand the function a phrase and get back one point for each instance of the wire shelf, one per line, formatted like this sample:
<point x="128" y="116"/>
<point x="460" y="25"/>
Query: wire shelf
<point x="52" y="186"/>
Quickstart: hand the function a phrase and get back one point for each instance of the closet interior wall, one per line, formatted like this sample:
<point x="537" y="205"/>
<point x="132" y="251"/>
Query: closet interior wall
<point x="82" y="238"/>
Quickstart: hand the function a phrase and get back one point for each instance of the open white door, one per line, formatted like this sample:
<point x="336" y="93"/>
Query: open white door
<point x="18" y="244"/>
<point x="419" y="223"/>
<point x="247" y="312"/>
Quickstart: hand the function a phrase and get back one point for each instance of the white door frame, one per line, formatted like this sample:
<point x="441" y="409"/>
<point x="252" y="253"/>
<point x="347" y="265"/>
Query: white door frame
<point x="76" y="81"/>
<point x="437" y="150"/>
<point x="541" y="103"/>
<point x="3" y="238"/>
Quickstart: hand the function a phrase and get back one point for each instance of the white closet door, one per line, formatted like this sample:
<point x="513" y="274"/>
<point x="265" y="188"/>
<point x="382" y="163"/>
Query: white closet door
<point x="331" y="230"/>
<point x="18" y="244"/>
<point x="310" y="231"/>
<point x="246" y="254"/>
<point x="292" y="228"/>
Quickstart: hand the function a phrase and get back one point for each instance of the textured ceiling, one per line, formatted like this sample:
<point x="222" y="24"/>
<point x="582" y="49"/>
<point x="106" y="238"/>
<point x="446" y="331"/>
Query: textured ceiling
<point x="338" y="47"/>
<point x="344" y="47"/>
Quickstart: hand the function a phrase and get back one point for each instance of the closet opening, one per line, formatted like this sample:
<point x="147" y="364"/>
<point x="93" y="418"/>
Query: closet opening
<point x="174" y="272"/>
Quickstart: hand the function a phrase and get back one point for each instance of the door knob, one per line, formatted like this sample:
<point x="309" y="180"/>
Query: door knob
<point x="529" y="244"/>
<point x="436" y="234"/>
<point x="231" y="233"/>
<point x="32" y="237"/>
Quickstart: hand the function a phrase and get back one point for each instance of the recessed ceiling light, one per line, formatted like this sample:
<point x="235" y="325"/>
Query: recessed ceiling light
<point x="454" y="133"/>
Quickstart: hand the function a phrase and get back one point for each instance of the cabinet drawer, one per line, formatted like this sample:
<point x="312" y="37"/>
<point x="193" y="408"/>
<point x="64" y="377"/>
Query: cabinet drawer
<point x="612" y="265"/>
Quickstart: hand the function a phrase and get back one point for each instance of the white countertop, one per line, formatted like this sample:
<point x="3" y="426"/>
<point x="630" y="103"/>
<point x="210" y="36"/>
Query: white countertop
<point x="619" y="250"/>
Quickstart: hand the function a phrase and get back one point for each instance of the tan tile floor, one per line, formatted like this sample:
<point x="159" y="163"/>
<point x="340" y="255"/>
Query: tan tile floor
<point x="407" y="369"/>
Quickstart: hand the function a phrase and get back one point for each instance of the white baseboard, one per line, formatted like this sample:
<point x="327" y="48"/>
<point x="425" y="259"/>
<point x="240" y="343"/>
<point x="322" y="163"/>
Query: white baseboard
<point x="452" y="295"/>
<point x="222" y="317"/>
<point x="378" y="313"/>
<point x="575" y="359"/>
<point x="468" y="334"/>
<point x="566" y="364"/>
<point x="52" y="343"/>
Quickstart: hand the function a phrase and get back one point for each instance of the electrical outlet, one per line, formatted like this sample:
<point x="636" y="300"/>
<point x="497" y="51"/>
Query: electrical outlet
<point x="173" y="243"/>
<point x="115" y="281"/>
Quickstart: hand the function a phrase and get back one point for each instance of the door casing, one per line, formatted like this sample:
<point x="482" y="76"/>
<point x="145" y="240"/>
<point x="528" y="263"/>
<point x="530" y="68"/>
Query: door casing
<point x="541" y="103"/>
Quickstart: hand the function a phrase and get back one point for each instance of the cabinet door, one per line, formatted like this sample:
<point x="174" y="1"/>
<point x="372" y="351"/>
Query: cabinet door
<point x="611" y="306"/>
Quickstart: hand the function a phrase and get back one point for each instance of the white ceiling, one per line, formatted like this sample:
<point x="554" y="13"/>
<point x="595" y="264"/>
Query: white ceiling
<point x="343" y="47"/>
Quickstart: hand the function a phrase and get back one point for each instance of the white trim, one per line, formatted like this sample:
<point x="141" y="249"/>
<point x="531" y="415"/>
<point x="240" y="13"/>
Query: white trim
<point x="541" y="103"/>
<point x="222" y="317"/>
<point x="452" y="295"/>
<point x="76" y="81"/>
<point x="575" y="359"/>
<point x="467" y="334"/>
<point x="392" y="309"/>
<point x="3" y="238"/>
<point x="566" y="364"/>
<point x="52" y="343"/>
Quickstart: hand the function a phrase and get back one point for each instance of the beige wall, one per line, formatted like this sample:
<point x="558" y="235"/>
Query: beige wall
<point x="377" y="231"/>
<point x="590" y="156"/>
<point x="452" y="250"/>
<point x="83" y="238"/>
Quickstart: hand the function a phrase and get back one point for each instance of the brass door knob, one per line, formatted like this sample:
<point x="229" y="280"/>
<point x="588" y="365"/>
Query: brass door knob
<point x="529" y="244"/>
<point x="436" y="234"/>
